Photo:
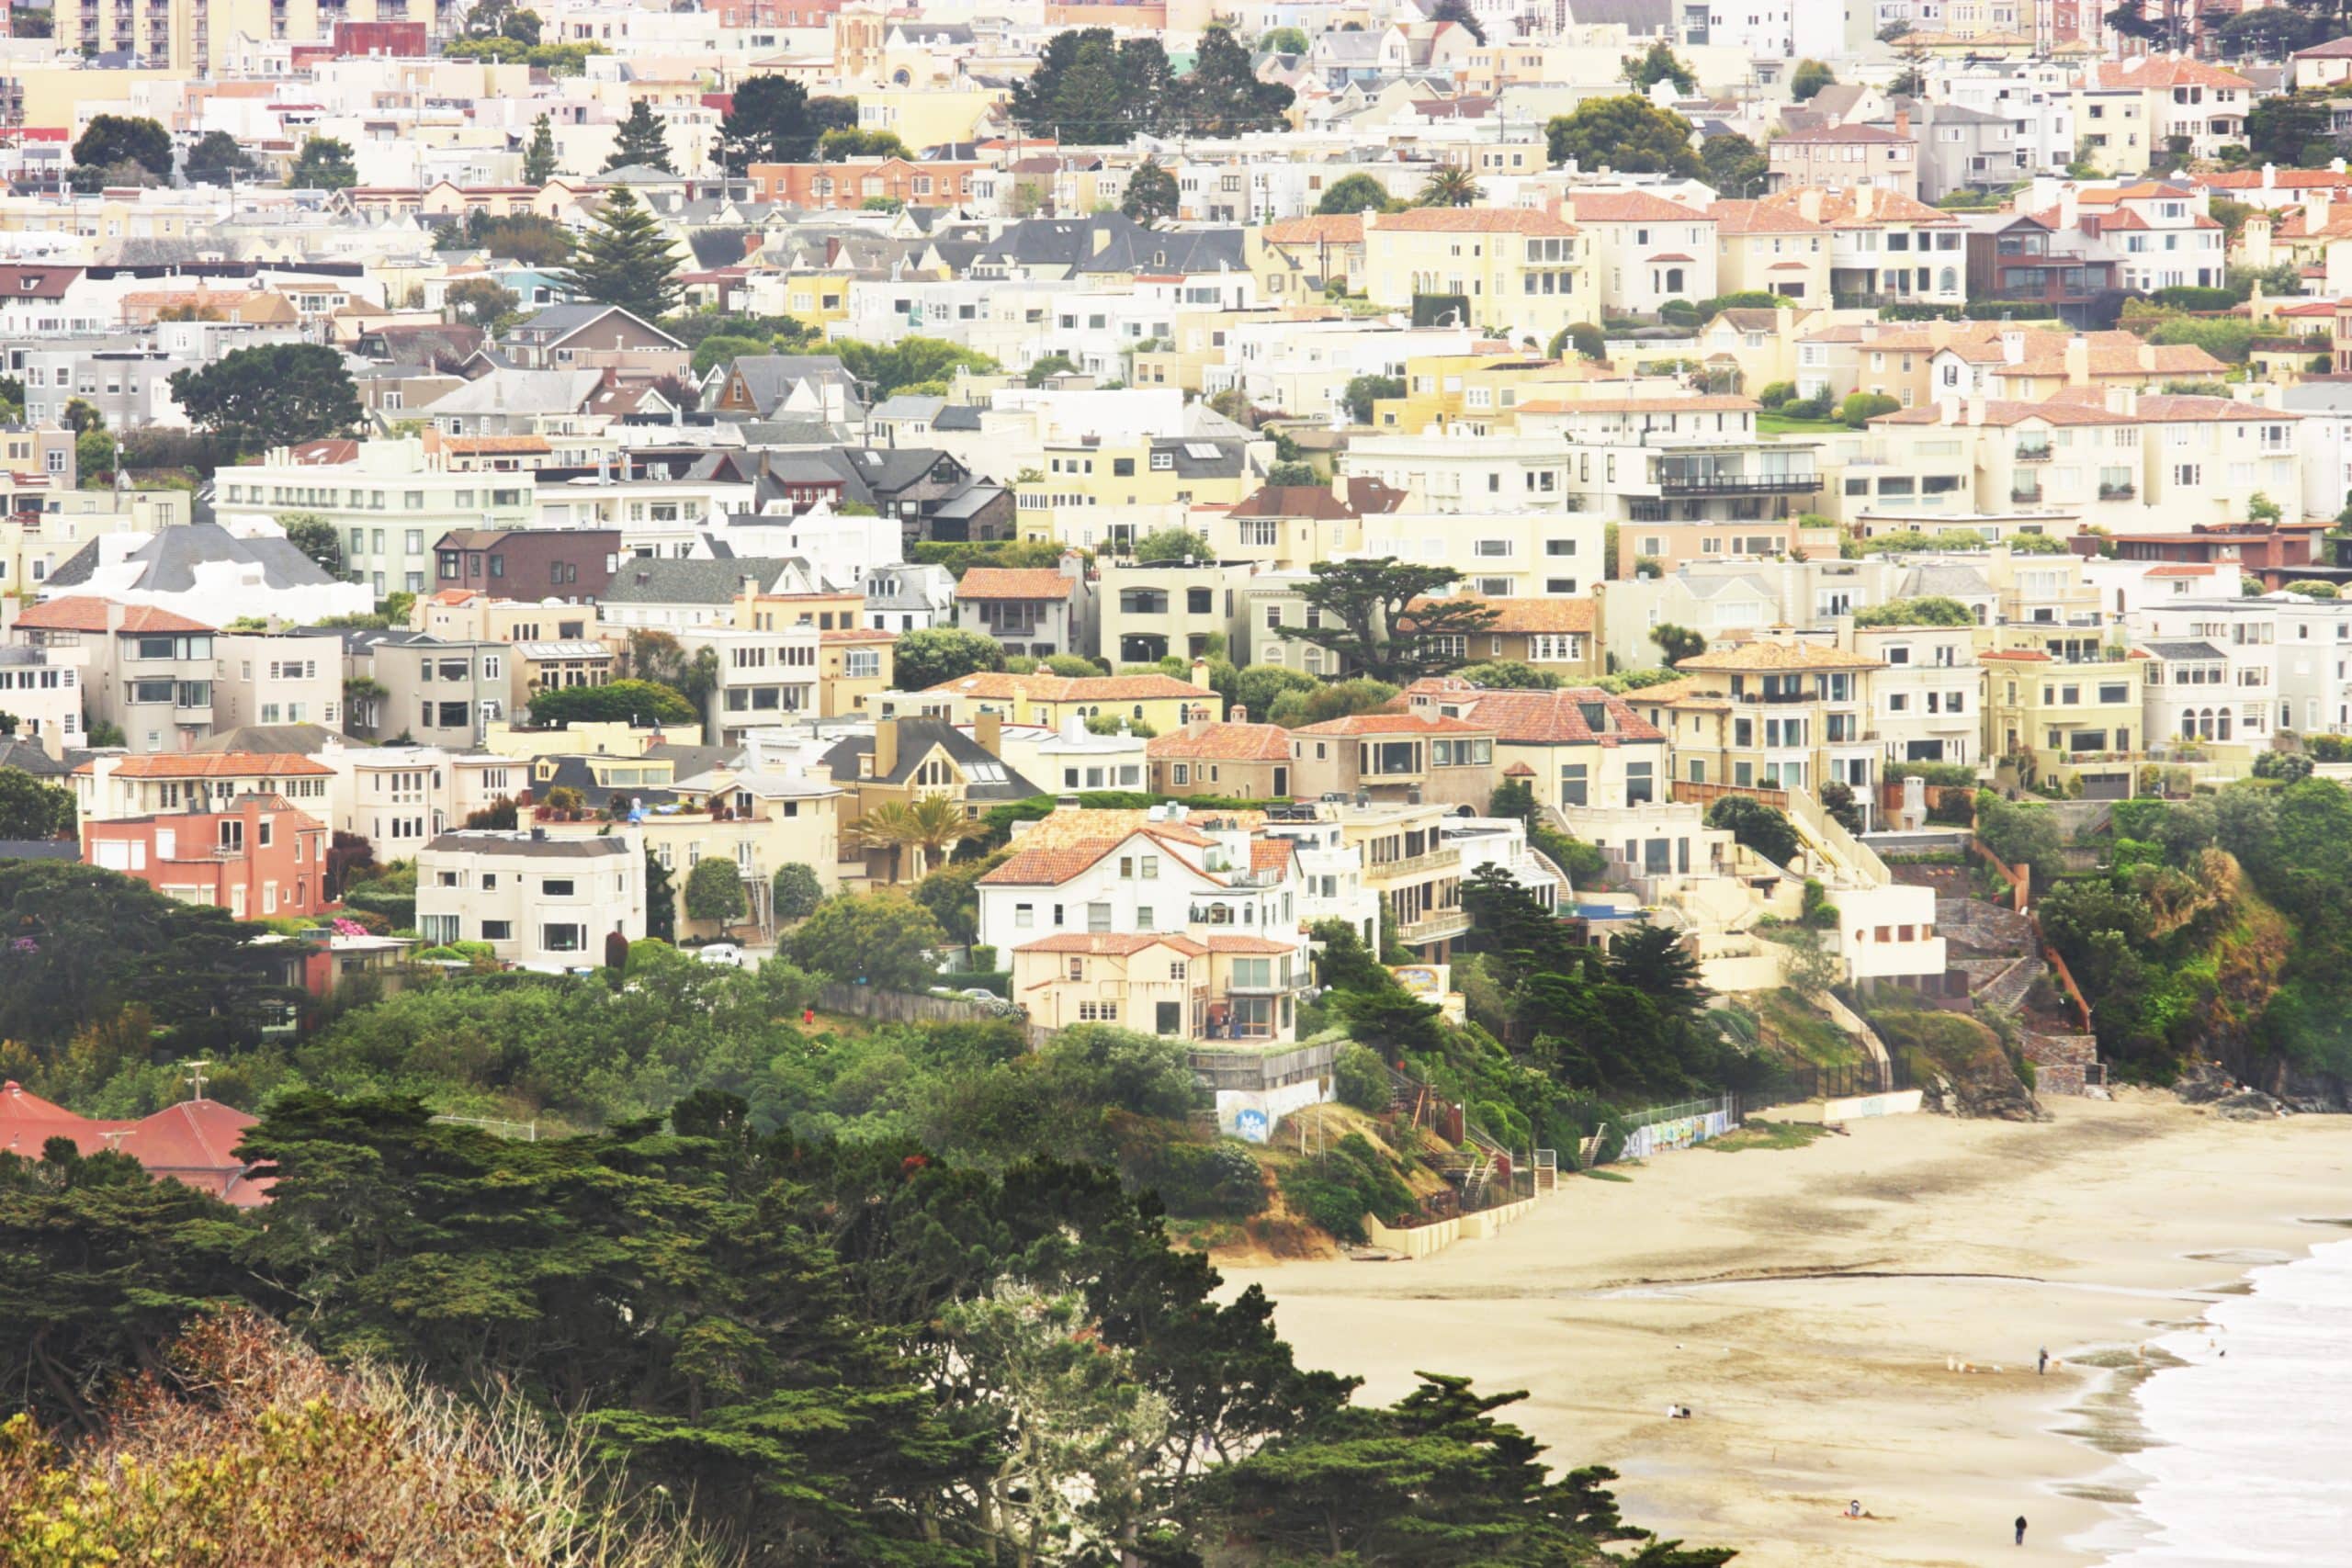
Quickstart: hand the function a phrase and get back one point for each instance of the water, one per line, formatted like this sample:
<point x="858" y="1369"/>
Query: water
<point x="2251" y="1458"/>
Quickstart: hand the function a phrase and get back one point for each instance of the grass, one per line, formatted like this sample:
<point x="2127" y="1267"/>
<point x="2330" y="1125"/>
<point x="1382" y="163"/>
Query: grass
<point x="1600" y="1174"/>
<point x="1805" y="1034"/>
<point x="1775" y="424"/>
<point x="1767" y="1135"/>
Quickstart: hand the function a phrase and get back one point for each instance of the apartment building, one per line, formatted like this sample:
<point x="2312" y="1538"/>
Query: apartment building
<point x="1580" y="746"/>
<point x="430" y="692"/>
<point x="1149" y="610"/>
<point x="541" y="902"/>
<point x="2066" y="704"/>
<point x="391" y="500"/>
<point x="1409" y="757"/>
<point x="1771" y="714"/>
<point x="109" y="786"/>
<point x="1030" y="610"/>
<point x="1847" y="157"/>
<point x="1515" y="270"/>
<point x="252" y="854"/>
<point x="574" y="565"/>
<point x="1926" y="697"/>
<point x="147" y="671"/>
<point x="1554" y="547"/>
<point x="1684" y="460"/>
<point x="277" y="678"/>
<point x="1645" y="250"/>
<point x="765" y="677"/>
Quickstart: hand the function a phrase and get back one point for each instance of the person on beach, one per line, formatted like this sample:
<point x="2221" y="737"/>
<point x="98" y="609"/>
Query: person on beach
<point x="2043" y="1368"/>
<point x="2020" y="1530"/>
<point x="1854" y="1509"/>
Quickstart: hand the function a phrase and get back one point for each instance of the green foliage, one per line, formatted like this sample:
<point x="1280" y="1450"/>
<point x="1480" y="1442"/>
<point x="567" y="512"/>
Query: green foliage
<point x="2313" y="587"/>
<point x="539" y="158"/>
<point x="909" y="362"/>
<point x="795" y="892"/>
<point x="925" y="659"/>
<point x="217" y="158"/>
<point x="1092" y="89"/>
<point x="2021" y="834"/>
<point x="881" y="938"/>
<point x="1911" y="540"/>
<point x="1627" y="134"/>
<point x="724" y="348"/>
<point x="715" y="891"/>
<point x="641" y="140"/>
<point x="1929" y="612"/>
<point x="1760" y="826"/>
<point x="626" y="260"/>
<point x="111" y="141"/>
<point x="771" y="121"/>
<point x="1358" y="1078"/>
<point x="1509" y="674"/>
<point x="1337" y="1189"/>
<point x="482" y="302"/>
<point x="1151" y="193"/>
<point x="1362" y="391"/>
<point x="315" y="538"/>
<point x="31" y="809"/>
<point x="1746" y="300"/>
<point x="1352" y="194"/>
<point x="1282" y="41"/>
<point x="1733" y="165"/>
<point x="555" y="59"/>
<point x="271" y="396"/>
<point x="523" y="237"/>
<point x="1809" y="78"/>
<point x="1171" y="544"/>
<point x="845" y="143"/>
<point x="1363" y="605"/>
<point x="1658" y="63"/>
<point x="2227" y="338"/>
<point x="324" y="164"/>
<point x="633" y="702"/>
<point x="1776" y="394"/>
<point x="1337" y="699"/>
<point x="1860" y="408"/>
<point x="1676" y="644"/>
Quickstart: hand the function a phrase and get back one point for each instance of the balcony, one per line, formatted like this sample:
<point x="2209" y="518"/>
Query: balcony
<point x="2018" y="496"/>
<point x="2033" y="454"/>
<point x="1738" y="484"/>
<point x="1415" y="868"/>
<point x="2118" y="492"/>
<point x="1438" y="925"/>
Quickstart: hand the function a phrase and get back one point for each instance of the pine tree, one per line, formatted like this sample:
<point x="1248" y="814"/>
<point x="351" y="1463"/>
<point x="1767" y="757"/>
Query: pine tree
<point x="641" y="140"/>
<point x="626" y="261"/>
<point x="538" y="159"/>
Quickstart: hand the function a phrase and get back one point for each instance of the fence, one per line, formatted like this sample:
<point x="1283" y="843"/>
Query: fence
<point x="1677" y="1126"/>
<point x="1687" y="791"/>
<point x="1849" y="1080"/>
<point x="902" y="1007"/>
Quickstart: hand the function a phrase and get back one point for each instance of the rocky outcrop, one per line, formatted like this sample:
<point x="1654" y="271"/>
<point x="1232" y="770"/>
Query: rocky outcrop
<point x="1958" y="1065"/>
<point x="1989" y="1089"/>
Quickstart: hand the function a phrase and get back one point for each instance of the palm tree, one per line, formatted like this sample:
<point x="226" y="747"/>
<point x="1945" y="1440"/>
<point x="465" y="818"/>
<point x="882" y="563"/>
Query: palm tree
<point x="887" y="826"/>
<point x="937" y="824"/>
<point x="1450" y="187"/>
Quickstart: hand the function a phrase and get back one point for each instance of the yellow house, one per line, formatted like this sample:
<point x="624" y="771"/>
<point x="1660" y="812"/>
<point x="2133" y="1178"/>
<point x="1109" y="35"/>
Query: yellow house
<point x="1521" y="272"/>
<point x="1078" y="476"/>
<point x="2064" y="705"/>
<point x="852" y="667"/>
<point x="1161" y="702"/>
<point x="927" y="116"/>
<point x="1447" y="388"/>
<point x="1300" y="255"/>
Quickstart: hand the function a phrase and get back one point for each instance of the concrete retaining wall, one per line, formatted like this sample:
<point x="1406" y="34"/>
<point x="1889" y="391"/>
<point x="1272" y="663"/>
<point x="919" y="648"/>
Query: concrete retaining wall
<point x="1857" y="1108"/>
<point x="2063" y="1063"/>
<point x="1421" y="1241"/>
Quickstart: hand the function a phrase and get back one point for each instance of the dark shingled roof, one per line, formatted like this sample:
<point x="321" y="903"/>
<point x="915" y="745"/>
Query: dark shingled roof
<point x="917" y="738"/>
<point x="170" y="558"/>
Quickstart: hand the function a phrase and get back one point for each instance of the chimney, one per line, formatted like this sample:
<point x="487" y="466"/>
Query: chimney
<point x="2316" y="207"/>
<point x="988" y="731"/>
<point x="1237" y="714"/>
<point x="1201" y="675"/>
<point x="1809" y="203"/>
<point x="886" y="748"/>
<point x="2269" y="176"/>
<point x="2147" y="357"/>
<point x="1975" y="409"/>
<point x="2078" y="361"/>
<point x="1902" y="122"/>
<point x="114" y="614"/>
<point x="2013" y="346"/>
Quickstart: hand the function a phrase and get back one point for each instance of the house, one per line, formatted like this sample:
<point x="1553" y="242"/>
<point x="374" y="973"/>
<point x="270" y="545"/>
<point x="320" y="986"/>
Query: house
<point x="1525" y="271"/>
<point x="905" y="760"/>
<point x="1847" y="157"/>
<point x="1779" y="713"/>
<point x="541" y="902"/>
<point x="426" y="690"/>
<point x="1645" y="250"/>
<point x="779" y="386"/>
<point x="1548" y="633"/>
<point x="1161" y="702"/>
<point x="574" y="565"/>
<point x="1412" y="757"/>
<point x="1039" y="611"/>
<point x="1234" y="760"/>
<point x="41" y="690"/>
<point x="1587" y="747"/>
<point x="194" y="1143"/>
<point x="910" y="598"/>
<point x="108" y="787"/>
<point x="563" y="337"/>
<point x="1149" y="610"/>
<point x="203" y="566"/>
<point x="254" y="854"/>
<point x="2062" y="703"/>
<point x="147" y="671"/>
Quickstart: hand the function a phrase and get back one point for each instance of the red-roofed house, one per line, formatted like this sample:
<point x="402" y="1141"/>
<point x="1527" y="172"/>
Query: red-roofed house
<point x="1411" y="756"/>
<point x="1847" y="157"/>
<point x="1646" y="250"/>
<point x="1039" y="611"/>
<point x="2129" y="112"/>
<point x="255" y="855"/>
<point x="148" y="671"/>
<point x="109" y="788"/>
<point x="1588" y="747"/>
<point x="193" y="1143"/>
<point x="1527" y="272"/>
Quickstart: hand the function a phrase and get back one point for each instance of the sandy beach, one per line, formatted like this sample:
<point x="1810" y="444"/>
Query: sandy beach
<point x="1804" y="1304"/>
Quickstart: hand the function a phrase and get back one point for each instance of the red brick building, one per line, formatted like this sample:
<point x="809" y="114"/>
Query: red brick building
<point x="847" y="185"/>
<point x="256" y="856"/>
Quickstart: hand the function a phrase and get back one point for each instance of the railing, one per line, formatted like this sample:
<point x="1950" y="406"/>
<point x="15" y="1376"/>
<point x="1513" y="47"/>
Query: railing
<point x="2117" y="492"/>
<point x="1826" y="831"/>
<point x="2033" y="454"/>
<point x="1741" y="484"/>
<point x="1438" y="927"/>
<point x="2025" y="497"/>
<point x="1415" y="865"/>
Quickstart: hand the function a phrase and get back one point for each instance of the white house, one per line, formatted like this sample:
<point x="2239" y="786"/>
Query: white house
<point x="541" y="902"/>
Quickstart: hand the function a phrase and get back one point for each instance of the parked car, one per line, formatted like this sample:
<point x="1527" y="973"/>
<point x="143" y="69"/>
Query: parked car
<point x="725" y="952"/>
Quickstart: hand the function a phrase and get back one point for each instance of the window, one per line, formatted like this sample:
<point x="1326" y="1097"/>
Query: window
<point x="555" y="887"/>
<point x="498" y="930"/>
<point x="563" y="938"/>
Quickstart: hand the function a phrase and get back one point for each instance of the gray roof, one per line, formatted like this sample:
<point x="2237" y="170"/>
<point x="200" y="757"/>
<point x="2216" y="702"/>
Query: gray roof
<point x="1639" y="17"/>
<point x="26" y="755"/>
<point x="1108" y="242"/>
<point x="2199" y="649"/>
<point x="909" y="406"/>
<point x="40" y="849"/>
<point x="2328" y="396"/>
<point x="507" y="390"/>
<point x="1934" y="582"/>
<point x="772" y="377"/>
<point x="493" y="841"/>
<point x="643" y="581"/>
<point x="690" y="762"/>
<point x="168" y="561"/>
<point x="989" y="778"/>
<point x="1709" y="586"/>
<point x="271" y="739"/>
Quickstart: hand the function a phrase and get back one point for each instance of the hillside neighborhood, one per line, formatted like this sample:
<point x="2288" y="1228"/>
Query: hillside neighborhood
<point x="1272" y="630"/>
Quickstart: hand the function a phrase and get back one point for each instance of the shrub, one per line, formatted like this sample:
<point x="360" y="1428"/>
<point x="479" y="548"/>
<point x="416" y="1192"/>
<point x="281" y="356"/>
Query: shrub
<point x="1776" y="394"/>
<point x="1195" y="1179"/>
<point x="1335" y="1191"/>
<point x="1860" y="408"/>
<point x="2311" y="587"/>
<point x="1760" y="827"/>
<point x="1360" y="1079"/>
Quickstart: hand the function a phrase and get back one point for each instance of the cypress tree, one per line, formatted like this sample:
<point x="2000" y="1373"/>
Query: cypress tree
<point x="641" y="140"/>
<point x="626" y="261"/>
<point x="538" y="159"/>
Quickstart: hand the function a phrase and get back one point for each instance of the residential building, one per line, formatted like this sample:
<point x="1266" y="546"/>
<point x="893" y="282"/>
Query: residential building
<point x="147" y="671"/>
<point x="1645" y="250"/>
<point x="1847" y="157"/>
<point x="1149" y="610"/>
<point x="1234" y="760"/>
<point x="41" y="690"/>
<point x="203" y="566"/>
<point x="574" y="565"/>
<point x="1788" y="714"/>
<point x="109" y="786"/>
<point x="429" y="691"/>
<point x="1585" y="746"/>
<point x="1036" y="610"/>
<point x="254" y="855"/>
<point x="1161" y="702"/>
<point x="1523" y="272"/>
<point x="267" y="678"/>
<point x="2066" y="704"/>
<point x="1926" y="697"/>
<point x="541" y="902"/>
<point x="907" y="759"/>
<point x="1409" y="757"/>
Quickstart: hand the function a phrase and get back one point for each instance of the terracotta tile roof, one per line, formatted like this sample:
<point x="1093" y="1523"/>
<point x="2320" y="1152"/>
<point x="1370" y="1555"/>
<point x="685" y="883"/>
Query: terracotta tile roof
<point x="1116" y="824"/>
<point x="856" y="633"/>
<point x="1631" y="207"/>
<point x="1255" y="945"/>
<point x="2178" y="569"/>
<point x="2158" y="72"/>
<point x="1470" y="221"/>
<point x="1316" y="501"/>
<point x="1048" y="865"/>
<point x="1223" y="743"/>
<point x="215" y="765"/>
<point x="1270" y="854"/>
<point x="1393" y="724"/>
<point x="84" y="614"/>
<point x="1115" y="944"/>
<point x="1523" y="615"/>
<point x="1750" y="657"/>
<point x="1324" y="229"/>
<point x="1537" y="719"/>
<point x="998" y="684"/>
<point x="2175" y="409"/>
<point x="1013" y="582"/>
<point x="1695" y="403"/>
<point x="2059" y="409"/>
<point x="1841" y="134"/>
<point x="489" y="445"/>
<point x="1759" y="218"/>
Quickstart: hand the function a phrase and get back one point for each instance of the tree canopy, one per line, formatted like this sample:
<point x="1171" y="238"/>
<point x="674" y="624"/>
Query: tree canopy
<point x="276" y="394"/>
<point x="324" y="164"/>
<point x="1627" y="134"/>
<point x="641" y="140"/>
<point x="1382" y="619"/>
<point x="626" y="260"/>
<point x="1092" y="89"/>
<point x="1354" y="193"/>
<point x="631" y="701"/>
<point x="925" y="659"/>
<point x="112" y="140"/>
<point x="1151" y="193"/>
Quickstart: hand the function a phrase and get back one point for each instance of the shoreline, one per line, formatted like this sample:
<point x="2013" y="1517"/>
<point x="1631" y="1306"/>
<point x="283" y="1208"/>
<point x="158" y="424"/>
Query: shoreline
<point x="1806" y="1303"/>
